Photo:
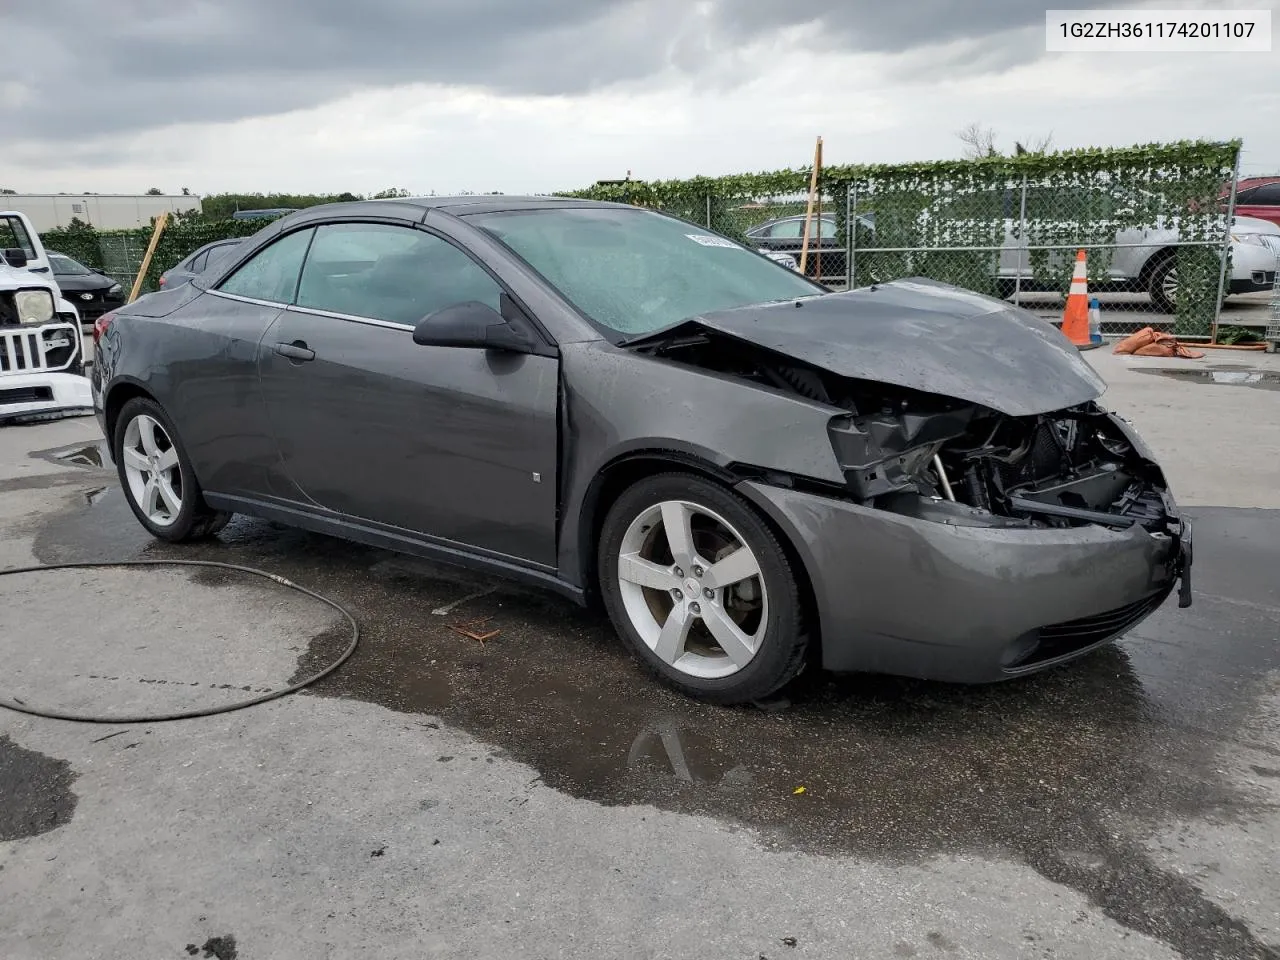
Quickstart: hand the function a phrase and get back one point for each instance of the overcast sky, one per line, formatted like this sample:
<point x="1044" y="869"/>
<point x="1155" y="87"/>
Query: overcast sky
<point x="536" y="95"/>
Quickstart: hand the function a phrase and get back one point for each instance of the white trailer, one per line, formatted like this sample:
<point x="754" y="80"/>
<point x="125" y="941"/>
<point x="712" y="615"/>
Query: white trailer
<point x="102" y="211"/>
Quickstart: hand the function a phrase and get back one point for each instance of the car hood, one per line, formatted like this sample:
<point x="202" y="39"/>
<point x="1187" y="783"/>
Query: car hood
<point x="1243" y="224"/>
<point x="921" y="335"/>
<point x="11" y="278"/>
<point x="78" y="283"/>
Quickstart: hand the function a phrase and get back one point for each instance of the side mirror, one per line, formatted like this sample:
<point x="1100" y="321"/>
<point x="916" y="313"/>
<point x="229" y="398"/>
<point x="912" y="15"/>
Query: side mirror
<point x="471" y="325"/>
<point x="16" y="257"/>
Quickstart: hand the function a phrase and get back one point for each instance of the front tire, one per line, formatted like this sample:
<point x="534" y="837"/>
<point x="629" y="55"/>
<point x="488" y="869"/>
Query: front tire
<point x="157" y="477"/>
<point x="700" y="590"/>
<point x="1162" y="284"/>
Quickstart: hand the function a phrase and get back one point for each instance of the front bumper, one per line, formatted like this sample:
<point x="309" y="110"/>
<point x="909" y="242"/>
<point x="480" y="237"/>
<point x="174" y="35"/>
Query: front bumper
<point x="35" y="396"/>
<point x="924" y="599"/>
<point x="1261" y="282"/>
<point x="1253" y="268"/>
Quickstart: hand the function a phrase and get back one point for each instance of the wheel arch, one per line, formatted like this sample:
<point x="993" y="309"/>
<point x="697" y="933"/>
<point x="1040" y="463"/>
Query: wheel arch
<point x="626" y="470"/>
<point x="120" y="393"/>
<point x="1149" y="265"/>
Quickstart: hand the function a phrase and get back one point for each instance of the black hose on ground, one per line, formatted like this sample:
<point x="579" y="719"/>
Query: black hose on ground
<point x="23" y="707"/>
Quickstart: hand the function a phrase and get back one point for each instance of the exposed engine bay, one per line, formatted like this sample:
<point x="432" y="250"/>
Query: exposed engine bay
<point x="948" y="460"/>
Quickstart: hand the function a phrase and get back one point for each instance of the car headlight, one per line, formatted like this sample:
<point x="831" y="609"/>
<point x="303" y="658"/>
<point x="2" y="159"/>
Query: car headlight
<point x="1254" y="238"/>
<point x="114" y="289"/>
<point x="34" y="306"/>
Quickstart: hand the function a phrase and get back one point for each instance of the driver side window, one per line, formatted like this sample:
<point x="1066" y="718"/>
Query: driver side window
<point x="390" y="273"/>
<point x="787" y="230"/>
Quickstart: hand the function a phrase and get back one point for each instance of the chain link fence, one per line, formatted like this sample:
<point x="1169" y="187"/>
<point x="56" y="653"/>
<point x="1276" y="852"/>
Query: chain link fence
<point x="1156" y="223"/>
<point x="1162" y="248"/>
<point x="1145" y="267"/>
<point x="776" y="226"/>
<point x="1141" y="275"/>
<point x="1273" y="326"/>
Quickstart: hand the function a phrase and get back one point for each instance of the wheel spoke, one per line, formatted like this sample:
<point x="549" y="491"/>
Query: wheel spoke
<point x="736" y="567"/>
<point x="634" y="569"/>
<point x="168" y="459"/>
<point x="739" y="647"/>
<point x="136" y="460"/>
<point x="151" y="497"/>
<point x="676" y="521"/>
<point x="147" y="434"/>
<point x="675" y="632"/>
<point x="172" y="502"/>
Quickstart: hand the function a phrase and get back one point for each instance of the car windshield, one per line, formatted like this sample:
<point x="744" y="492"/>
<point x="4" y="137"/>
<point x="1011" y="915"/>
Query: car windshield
<point x="635" y="271"/>
<point x="66" y="267"/>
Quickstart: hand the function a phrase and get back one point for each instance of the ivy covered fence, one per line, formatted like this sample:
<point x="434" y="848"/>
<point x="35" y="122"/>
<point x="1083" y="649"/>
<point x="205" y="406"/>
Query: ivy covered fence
<point x="1004" y="225"/>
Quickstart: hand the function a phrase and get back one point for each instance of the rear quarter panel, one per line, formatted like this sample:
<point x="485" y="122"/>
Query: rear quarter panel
<point x="198" y="360"/>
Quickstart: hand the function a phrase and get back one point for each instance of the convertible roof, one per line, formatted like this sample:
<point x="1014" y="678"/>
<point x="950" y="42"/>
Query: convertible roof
<point x="417" y="208"/>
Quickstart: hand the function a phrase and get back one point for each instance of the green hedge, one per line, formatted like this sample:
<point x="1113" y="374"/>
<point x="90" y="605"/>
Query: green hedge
<point x="119" y="253"/>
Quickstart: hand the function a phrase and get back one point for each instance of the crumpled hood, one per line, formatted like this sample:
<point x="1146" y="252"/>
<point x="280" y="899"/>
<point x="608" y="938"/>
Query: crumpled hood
<point x="922" y="335"/>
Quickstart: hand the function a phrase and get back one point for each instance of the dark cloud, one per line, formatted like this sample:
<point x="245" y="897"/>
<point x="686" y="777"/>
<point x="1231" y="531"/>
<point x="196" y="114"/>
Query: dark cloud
<point x="76" y="68"/>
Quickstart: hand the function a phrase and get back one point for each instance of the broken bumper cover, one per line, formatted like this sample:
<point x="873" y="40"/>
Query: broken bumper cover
<point x="970" y="604"/>
<point x="35" y="396"/>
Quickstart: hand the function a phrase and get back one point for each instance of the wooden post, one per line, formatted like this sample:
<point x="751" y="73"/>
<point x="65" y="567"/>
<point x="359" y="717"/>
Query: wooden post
<point x="161" y="222"/>
<point x="808" y="212"/>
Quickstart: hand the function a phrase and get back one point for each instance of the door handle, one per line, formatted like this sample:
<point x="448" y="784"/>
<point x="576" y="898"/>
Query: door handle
<point x="298" y="351"/>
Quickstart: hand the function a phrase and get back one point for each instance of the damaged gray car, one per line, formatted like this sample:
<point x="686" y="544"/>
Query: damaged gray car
<point x="749" y="473"/>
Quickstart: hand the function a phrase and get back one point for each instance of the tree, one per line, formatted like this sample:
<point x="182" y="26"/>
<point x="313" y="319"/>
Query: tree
<point x="980" y="141"/>
<point x="155" y="192"/>
<point x="7" y="192"/>
<point x="390" y="193"/>
<point x="186" y="191"/>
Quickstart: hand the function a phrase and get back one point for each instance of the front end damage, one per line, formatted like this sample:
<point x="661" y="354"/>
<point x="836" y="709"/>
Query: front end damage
<point x="953" y="462"/>
<point x="966" y="542"/>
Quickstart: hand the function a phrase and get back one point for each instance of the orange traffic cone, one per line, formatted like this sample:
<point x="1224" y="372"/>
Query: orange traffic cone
<point x="1075" y="320"/>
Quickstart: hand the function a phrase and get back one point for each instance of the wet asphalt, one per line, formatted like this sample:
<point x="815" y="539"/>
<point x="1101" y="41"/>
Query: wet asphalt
<point x="1050" y="771"/>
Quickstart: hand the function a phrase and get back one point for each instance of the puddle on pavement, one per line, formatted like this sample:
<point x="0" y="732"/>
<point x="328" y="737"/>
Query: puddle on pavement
<point x="37" y="790"/>
<point x="97" y="496"/>
<point x="1050" y="770"/>
<point x="82" y="454"/>
<point x="1260" y="379"/>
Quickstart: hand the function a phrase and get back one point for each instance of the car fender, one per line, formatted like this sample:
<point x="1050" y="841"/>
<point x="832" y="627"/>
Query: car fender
<point x="618" y="404"/>
<point x="66" y="306"/>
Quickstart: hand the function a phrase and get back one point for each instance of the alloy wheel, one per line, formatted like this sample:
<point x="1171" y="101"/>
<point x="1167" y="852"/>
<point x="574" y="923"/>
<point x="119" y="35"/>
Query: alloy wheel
<point x="1169" y="285"/>
<point x="693" y="589"/>
<point x="151" y="468"/>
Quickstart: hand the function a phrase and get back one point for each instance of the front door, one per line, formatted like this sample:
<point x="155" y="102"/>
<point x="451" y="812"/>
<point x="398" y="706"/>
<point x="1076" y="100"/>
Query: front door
<point x="459" y="445"/>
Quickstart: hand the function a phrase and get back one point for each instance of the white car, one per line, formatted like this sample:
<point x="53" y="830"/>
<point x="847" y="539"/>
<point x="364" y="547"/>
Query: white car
<point x="41" y="351"/>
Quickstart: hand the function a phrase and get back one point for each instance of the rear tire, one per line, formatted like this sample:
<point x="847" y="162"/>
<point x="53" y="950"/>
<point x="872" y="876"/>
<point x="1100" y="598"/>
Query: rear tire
<point x="157" y="477"/>
<point x="714" y="611"/>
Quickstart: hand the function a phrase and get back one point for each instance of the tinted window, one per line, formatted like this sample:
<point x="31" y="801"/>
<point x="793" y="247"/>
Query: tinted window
<point x="636" y="271"/>
<point x="794" y="229"/>
<point x="1246" y="196"/>
<point x="1268" y="195"/>
<point x="66" y="267"/>
<point x="396" y="274"/>
<point x="272" y="274"/>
